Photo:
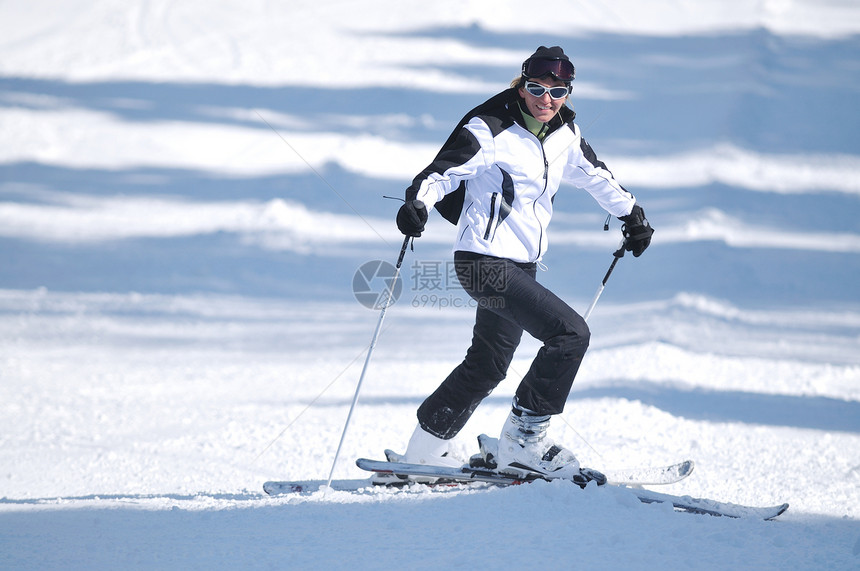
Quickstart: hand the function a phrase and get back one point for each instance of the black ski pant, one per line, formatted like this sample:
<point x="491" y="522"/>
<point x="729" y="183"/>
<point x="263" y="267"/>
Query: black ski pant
<point x="509" y="301"/>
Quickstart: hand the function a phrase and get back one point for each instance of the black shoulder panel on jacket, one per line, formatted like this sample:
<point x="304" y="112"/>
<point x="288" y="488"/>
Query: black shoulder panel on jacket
<point x="459" y="149"/>
<point x="494" y="113"/>
<point x="590" y="155"/>
<point x="491" y="110"/>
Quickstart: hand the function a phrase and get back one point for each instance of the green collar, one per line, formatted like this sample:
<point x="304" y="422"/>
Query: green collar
<point x="537" y="128"/>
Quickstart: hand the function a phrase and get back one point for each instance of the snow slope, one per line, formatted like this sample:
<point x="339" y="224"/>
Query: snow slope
<point x="187" y="189"/>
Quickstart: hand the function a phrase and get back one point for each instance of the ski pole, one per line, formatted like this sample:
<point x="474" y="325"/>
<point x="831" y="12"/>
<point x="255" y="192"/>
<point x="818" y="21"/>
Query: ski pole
<point x="369" y="353"/>
<point x="618" y="254"/>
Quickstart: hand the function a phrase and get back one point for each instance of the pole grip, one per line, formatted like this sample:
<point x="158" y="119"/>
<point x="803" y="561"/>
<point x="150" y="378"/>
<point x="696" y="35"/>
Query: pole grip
<point x="402" y="253"/>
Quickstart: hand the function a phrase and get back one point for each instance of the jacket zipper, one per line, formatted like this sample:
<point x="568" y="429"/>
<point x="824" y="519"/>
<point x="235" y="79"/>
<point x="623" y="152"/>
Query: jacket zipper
<point x="534" y="204"/>
<point x="545" y="183"/>
<point x="492" y="215"/>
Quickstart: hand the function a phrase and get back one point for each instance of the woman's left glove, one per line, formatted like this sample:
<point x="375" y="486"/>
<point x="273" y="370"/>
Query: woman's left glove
<point x="637" y="232"/>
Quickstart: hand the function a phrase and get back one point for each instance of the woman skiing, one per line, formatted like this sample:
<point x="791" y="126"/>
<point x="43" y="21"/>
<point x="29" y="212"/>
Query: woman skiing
<point x="496" y="177"/>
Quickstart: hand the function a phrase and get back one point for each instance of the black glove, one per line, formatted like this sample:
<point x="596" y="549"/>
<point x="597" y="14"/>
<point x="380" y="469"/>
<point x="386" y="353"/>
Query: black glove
<point x="637" y="232"/>
<point x="411" y="218"/>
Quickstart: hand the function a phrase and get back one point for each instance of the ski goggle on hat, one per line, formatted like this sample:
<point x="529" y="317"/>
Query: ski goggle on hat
<point x="549" y="62"/>
<point x="560" y="69"/>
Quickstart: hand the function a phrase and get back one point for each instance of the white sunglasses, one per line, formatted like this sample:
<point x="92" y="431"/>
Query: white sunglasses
<point x="538" y="90"/>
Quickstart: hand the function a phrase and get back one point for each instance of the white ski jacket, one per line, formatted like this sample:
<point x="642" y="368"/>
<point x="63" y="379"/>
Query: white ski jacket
<point x="500" y="179"/>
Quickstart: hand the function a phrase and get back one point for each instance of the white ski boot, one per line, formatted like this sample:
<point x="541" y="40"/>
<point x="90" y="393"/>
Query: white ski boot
<point x="423" y="448"/>
<point x="524" y="449"/>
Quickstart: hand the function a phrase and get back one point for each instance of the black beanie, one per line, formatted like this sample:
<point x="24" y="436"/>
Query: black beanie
<point x="554" y="52"/>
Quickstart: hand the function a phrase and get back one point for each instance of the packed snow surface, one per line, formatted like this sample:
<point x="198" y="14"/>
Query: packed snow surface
<point x="188" y="188"/>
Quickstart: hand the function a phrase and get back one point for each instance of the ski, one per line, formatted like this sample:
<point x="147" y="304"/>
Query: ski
<point x="464" y="474"/>
<point x="711" y="507"/>
<point x="400" y="475"/>
<point x="647" y="476"/>
<point x="641" y="476"/>
<point x="279" y="488"/>
<point x="651" y="475"/>
<point x="644" y="476"/>
<point x="468" y="474"/>
<point x="363" y="486"/>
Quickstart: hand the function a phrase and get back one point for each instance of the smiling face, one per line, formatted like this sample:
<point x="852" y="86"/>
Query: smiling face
<point x="543" y="108"/>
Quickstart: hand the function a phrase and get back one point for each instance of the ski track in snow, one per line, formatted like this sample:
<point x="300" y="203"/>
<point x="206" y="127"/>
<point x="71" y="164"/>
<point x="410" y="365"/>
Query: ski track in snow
<point x="183" y="204"/>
